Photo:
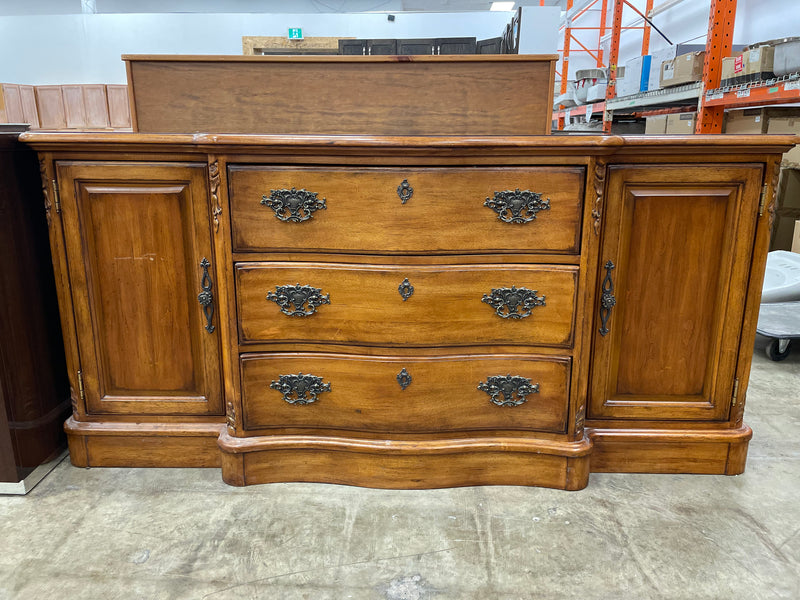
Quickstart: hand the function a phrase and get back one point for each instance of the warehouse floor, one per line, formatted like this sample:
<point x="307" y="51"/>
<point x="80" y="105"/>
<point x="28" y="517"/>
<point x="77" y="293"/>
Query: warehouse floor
<point x="183" y="534"/>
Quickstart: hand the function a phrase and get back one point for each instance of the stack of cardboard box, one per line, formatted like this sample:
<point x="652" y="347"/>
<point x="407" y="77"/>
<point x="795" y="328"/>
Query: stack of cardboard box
<point x="672" y="123"/>
<point x="754" y="64"/>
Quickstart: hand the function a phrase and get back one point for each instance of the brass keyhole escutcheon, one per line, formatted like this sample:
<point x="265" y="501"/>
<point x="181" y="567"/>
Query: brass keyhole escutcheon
<point x="405" y="289"/>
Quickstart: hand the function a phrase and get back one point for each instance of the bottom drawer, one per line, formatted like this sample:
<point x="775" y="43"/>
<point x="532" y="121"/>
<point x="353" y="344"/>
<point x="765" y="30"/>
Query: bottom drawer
<point x="402" y="394"/>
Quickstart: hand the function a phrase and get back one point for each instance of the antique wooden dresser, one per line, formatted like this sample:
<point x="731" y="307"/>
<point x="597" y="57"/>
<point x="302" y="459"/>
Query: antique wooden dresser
<point x="409" y="311"/>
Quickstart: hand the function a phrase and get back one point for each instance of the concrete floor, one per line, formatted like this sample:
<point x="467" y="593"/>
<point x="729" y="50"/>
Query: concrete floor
<point x="183" y="534"/>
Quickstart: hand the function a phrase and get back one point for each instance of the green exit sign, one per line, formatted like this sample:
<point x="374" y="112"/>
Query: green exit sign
<point x="295" y="33"/>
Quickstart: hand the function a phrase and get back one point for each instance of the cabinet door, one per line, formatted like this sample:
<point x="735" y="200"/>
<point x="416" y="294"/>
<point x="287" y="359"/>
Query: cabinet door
<point x="464" y="45"/>
<point x="680" y="239"/>
<point x="381" y="47"/>
<point x="421" y="46"/>
<point x="136" y="235"/>
<point x="353" y="47"/>
<point x="489" y="46"/>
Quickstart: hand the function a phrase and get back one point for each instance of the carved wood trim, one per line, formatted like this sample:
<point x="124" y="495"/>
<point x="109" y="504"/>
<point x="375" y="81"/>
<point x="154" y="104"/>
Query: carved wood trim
<point x="580" y="417"/>
<point x="599" y="191"/>
<point x="48" y="205"/>
<point x="213" y="182"/>
<point x="230" y="416"/>
<point x="776" y="173"/>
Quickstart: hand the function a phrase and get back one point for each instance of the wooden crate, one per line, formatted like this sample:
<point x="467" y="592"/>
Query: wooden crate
<point x="373" y="95"/>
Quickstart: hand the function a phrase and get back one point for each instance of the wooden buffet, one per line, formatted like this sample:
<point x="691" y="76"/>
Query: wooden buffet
<point x="409" y="311"/>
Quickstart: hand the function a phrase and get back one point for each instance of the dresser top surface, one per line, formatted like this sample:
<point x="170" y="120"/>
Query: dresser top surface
<point x="587" y="144"/>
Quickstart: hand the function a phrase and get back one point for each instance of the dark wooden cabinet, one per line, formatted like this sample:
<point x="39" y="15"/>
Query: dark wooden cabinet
<point x="34" y="392"/>
<point x="433" y="46"/>
<point x="138" y="240"/>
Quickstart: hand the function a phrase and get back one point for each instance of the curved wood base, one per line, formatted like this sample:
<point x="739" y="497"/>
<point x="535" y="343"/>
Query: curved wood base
<point x="701" y="451"/>
<point x="401" y="464"/>
<point x="108" y="444"/>
<point x="405" y="464"/>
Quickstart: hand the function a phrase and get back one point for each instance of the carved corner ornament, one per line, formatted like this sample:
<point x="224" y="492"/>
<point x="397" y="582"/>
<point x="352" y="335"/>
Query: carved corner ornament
<point x="213" y="184"/>
<point x="230" y="416"/>
<point x="776" y="173"/>
<point x="48" y="205"/>
<point x="599" y="192"/>
<point x="580" y="418"/>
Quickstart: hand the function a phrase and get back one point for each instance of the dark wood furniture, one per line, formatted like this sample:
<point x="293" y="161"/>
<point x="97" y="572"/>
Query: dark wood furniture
<point x="34" y="392"/>
<point x="410" y="47"/>
<point x="410" y="312"/>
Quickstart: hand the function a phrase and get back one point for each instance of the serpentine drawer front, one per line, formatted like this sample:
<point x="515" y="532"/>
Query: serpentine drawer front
<point x="405" y="394"/>
<point x="407" y="305"/>
<point x="406" y="210"/>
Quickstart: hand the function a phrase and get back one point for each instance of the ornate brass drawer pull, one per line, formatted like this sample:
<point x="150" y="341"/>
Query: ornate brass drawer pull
<point x="300" y="389"/>
<point x="517" y="206"/>
<point x="508" y="390"/>
<point x="405" y="289"/>
<point x="404" y="379"/>
<point x="513" y="302"/>
<point x="298" y="300"/>
<point x="607" y="300"/>
<point x="206" y="298"/>
<point x="405" y="191"/>
<point x="293" y="205"/>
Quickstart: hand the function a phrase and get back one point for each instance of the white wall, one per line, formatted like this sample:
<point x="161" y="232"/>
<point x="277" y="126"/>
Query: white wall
<point x="756" y="20"/>
<point x="51" y="49"/>
<point x="539" y="31"/>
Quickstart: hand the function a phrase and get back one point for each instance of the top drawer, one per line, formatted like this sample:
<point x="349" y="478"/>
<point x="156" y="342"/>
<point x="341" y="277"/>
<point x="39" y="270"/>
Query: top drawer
<point x="406" y="211"/>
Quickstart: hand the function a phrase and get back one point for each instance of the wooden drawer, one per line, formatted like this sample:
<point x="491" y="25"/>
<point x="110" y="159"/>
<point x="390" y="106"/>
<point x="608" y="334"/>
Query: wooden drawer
<point x="363" y="304"/>
<point x="446" y="213"/>
<point x="441" y="394"/>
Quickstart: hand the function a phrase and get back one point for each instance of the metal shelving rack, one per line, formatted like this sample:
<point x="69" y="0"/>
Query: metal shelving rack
<point x="707" y="96"/>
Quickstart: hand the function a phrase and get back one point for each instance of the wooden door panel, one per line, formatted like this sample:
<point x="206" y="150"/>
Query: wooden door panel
<point x="136" y="235"/>
<point x="680" y="240"/>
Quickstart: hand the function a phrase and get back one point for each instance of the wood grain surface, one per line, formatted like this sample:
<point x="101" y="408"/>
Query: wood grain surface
<point x="343" y="95"/>
<point x="671" y="350"/>
<point x="445" y="308"/>
<point x="445" y="214"/>
<point x="136" y="235"/>
<point x="443" y="394"/>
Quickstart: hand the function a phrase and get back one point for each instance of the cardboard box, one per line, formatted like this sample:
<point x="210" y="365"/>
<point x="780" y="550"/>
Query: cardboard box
<point x="637" y="75"/>
<point x="759" y="60"/>
<point x="753" y="120"/>
<point x="668" y="53"/>
<point x="687" y="68"/>
<point x="658" y="58"/>
<point x="789" y="125"/>
<point x="655" y="125"/>
<point x="732" y="69"/>
<point x="682" y="123"/>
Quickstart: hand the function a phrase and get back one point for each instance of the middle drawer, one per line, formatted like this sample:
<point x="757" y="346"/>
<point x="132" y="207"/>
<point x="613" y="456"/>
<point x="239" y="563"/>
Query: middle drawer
<point x="406" y="305"/>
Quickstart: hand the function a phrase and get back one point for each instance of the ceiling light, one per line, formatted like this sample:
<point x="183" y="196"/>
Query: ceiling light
<point x="496" y="6"/>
